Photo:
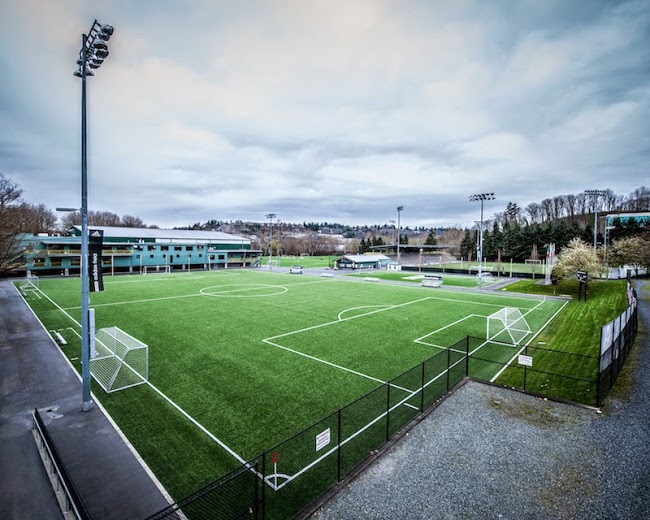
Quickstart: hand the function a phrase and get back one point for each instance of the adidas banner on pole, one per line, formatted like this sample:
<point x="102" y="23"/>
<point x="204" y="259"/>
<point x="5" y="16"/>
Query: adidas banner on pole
<point x="95" y="241"/>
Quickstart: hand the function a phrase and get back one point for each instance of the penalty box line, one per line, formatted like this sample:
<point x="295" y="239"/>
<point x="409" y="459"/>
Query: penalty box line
<point x="269" y="341"/>
<point x="170" y="401"/>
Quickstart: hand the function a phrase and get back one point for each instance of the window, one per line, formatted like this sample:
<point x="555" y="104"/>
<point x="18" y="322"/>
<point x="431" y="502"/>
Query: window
<point x="150" y="256"/>
<point x="151" y="248"/>
<point x="189" y="248"/>
<point x="164" y="248"/>
<point x="178" y="248"/>
<point x="222" y="257"/>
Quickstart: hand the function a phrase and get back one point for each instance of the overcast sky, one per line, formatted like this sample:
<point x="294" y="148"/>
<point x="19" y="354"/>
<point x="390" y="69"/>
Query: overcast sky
<point x="326" y="110"/>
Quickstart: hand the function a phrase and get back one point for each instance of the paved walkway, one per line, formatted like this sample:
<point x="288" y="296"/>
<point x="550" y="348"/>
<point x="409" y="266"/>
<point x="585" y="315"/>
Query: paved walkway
<point x="33" y="374"/>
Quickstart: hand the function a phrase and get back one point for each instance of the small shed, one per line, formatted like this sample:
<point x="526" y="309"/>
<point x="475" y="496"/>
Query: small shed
<point x="362" y="261"/>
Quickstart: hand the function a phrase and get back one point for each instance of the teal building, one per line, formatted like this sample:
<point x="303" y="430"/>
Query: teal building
<point x="142" y="250"/>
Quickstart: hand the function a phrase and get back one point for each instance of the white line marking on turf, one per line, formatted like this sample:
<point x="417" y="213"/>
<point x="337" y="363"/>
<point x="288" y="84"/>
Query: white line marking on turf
<point x="183" y="412"/>
<point x="528" y="343"/>
<point x="146" y="300"/>
<point x="362" y="307"/>
<point x="198" y="425"/>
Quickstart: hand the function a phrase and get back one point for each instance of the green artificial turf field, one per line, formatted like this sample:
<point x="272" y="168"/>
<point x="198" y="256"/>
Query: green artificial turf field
<point x="240" y="360"/>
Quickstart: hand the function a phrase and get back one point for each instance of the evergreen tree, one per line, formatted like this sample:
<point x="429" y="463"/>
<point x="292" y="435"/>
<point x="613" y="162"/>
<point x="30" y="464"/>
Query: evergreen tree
<point x="431" y="239"/>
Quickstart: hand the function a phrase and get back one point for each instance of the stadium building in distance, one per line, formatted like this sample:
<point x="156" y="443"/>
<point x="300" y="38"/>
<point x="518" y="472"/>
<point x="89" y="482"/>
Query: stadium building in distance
<point x="142" y="250"/>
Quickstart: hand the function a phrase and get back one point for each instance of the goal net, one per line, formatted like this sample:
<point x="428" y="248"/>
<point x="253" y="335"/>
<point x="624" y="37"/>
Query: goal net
<point x="507" y="325"/>
<point x="29" y="283"/>
<point x="120" y="360"/>
<point x="153" y="269"/>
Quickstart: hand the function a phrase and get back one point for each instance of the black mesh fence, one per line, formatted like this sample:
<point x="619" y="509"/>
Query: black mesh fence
<point x="233" y="496"/>
<point x="285" y="480"/>
<point x="612" y="359"/>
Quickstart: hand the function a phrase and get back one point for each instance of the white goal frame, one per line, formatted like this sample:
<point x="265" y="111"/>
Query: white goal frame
<point x="156" y="269"/>
<point x="120" y="360"/>
<point x="508" y="326"/>
<point x="29" y="283"/>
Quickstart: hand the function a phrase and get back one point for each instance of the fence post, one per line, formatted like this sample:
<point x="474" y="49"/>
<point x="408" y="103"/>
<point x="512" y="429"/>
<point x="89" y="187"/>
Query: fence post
<point x="448" y="365"/>
<point x="422" y="390"/>
<point x="338" y="461"/>
<point x="598" y="360"/>
<point x="263" y="485"/>
<point x="525" y="371"/>
<point x="466" y="356"/>
<point x="256" y="498"/>
<point x="388" y="411"/>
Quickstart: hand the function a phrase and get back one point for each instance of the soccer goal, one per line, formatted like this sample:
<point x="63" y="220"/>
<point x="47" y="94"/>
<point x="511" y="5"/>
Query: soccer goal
<point x="507" y="325"/>
<point x="29" y="283"/>
<point x="156" y="269"/>
<point x="120" y="360"/>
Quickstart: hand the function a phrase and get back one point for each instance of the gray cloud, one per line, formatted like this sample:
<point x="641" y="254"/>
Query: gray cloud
<point x="320" y="111"/>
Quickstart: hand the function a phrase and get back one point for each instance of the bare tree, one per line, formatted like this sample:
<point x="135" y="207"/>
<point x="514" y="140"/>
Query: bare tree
<point x="10" y="193"/>
<point x="534" y="212"/>
<point x="131" y="221"/>
<point x="571" y="202"/>
<point x="32" y="218"/>
<point x="547" y="209"/>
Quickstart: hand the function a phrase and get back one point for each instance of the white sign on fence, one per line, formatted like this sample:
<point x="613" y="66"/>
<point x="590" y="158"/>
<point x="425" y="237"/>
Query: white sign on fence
<point x="527" y="361"/>
<point x="322" y="439"/>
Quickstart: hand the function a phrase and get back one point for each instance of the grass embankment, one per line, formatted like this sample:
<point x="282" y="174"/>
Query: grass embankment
<point x="575" y="333"/>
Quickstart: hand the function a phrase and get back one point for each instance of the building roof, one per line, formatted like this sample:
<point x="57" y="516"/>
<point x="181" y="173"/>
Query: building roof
<point x="360" y="259"/>
<point x="166" y="234"/>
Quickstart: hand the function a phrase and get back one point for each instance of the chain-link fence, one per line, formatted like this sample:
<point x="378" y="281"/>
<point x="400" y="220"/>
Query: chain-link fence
<point x="285" y="480"/>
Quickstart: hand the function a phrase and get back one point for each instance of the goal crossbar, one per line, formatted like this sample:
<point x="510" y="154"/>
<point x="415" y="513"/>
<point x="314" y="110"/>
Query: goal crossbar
<point x="120" y="361"/>
<point x="507" y="325"/>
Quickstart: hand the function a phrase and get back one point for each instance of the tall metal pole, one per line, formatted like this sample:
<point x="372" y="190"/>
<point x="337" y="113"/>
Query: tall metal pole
<point x="399" y="229"/>
<point x="480" y="250"/>
<point x="271" y="216"/>
<point x="595" y="194"/>
<point x="85" y="298"/>
<point x="481" y="197"/>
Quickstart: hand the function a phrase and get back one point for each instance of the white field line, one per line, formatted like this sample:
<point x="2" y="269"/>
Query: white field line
<point x="199" y="425"/>
<point x="334" y="365"/>
<point x="332" y="450"/>
<point x="146" y="300"/>
<point x="528" y="343"/>
<point x="108" y="416"/>
<point x="326" y="324"/>
<point x="313" y="358"/>
<point x="362" y="307"/>
<point x="419" y="340"/>
<point x="183" y="412"/>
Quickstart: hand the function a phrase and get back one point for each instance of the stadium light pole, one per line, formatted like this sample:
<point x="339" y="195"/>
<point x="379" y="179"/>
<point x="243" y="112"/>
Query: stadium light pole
<point x="399" y="211"/>
<point x="270" y="216"/>
<point x="481" y="197"/>
<point x="92" y="54"/>
<point x="595" y="194"/>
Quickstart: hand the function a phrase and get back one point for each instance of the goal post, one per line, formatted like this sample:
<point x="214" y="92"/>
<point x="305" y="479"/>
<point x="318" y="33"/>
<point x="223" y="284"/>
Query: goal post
<point x="507" y="325"/>
<point x="29" y="283"/>
<point x="156" y="269"/>
<point x="120" y="362"/>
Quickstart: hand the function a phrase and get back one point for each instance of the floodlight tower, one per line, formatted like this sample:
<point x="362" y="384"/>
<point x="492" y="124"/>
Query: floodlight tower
<point x="92" y="54"/>
<point x="481" y="197"/>
<point x="270" y="216"/>
<point x="595" y="194"/>
<point x="399" y="211"/>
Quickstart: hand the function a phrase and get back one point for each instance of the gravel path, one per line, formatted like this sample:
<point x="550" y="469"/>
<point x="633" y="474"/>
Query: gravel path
<point x="488" y="452"/>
